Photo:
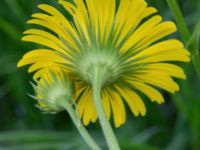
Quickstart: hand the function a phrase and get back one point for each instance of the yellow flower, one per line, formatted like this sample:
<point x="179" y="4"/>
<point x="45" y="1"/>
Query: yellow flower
<point x="119" y="43"/>
<point x="52" y="87"/>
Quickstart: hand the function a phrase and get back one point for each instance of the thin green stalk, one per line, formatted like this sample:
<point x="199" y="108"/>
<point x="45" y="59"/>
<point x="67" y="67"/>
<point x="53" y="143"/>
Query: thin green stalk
<point x="77" y="122"/>
<point x="193" y="44"/>
<point x="179" y="20"/>
<point x="105" y="124"/>
<point x="191" y="41"/>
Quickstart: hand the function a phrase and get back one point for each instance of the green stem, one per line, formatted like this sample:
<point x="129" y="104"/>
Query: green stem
<point x="77" y="122"/>
<point x="193" y="44"/>
<point x="105" y="124"/>
<point x="179" y="20"/>
<point x="196" y="63"/>
<point x="191" y="41"/>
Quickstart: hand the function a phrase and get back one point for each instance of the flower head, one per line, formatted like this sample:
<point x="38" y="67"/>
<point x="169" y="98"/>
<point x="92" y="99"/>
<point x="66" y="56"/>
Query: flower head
<point x="118" y="44"/>
<point x="52" y="87"/>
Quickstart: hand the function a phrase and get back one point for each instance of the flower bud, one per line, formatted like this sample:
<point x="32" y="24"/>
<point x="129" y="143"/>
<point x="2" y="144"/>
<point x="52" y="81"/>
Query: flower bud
<point x="52" y="88"/>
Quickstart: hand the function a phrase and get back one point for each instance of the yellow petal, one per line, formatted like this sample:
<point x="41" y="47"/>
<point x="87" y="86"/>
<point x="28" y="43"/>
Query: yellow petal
<point x="130" y="101"/>
<point x="171" y="55"/>
<point x="68" y="6"/>
<point x="150" y="11"/>
<point x="118" y="109"/>
<point x="40" y="72"/>
<point x="133" y="100"/>
<point x="141" y="32"/>
<point x="41" y="55"/>
<point x="90" y="113"/>
<point x="44" y="23"/>
<point x="82" y="103"/>
<point x="43" y="41"/>
<point x="149" y="91"/>
<point x="161" y="30"/>
<point x="101" y="15"/>
<point x="81" y="20"/>
<point x="46" y="64"/>
<point x="106" y="104"/>
<point x="46" y="35"/>
<point x="139" y="101"/>
<point x="55" y="25"/>
<point x="158" y="79"/>
<point x="169" y="50"/>
<point x="170" y="69"/>
<point x="129" y="15"/>
<point x="61" y="18"/>
<point x="39" y="52"/>
<point x="162" y="46"/>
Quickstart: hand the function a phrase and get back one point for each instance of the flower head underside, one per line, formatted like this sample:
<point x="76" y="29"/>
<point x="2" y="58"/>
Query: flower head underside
<point x="119" y="42"/>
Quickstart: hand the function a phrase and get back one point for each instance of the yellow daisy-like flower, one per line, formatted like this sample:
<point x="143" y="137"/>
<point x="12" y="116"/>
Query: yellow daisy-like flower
<point x="116" y="44"/>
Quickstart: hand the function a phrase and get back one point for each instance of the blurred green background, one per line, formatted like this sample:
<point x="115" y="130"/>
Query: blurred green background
<point x="172" y="126"/>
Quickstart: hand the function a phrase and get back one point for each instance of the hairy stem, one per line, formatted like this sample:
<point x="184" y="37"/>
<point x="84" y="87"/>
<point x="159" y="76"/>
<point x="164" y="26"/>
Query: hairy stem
<point x="105" y="124"/>
<point x="77" y="122"/>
